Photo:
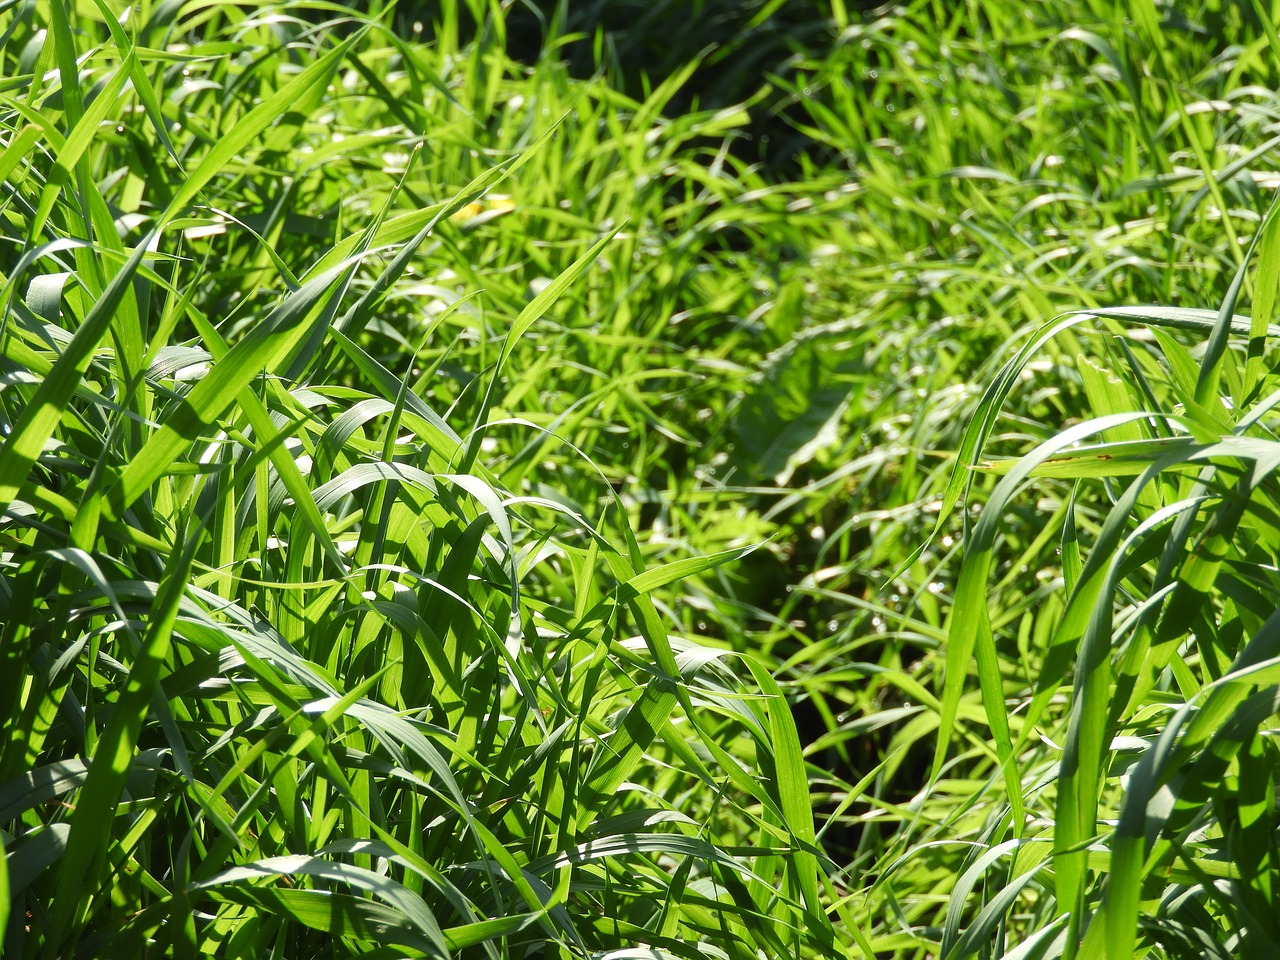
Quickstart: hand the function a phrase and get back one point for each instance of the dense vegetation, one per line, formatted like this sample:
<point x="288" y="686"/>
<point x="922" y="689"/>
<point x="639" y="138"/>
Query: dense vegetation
<point x="673" y="479"/>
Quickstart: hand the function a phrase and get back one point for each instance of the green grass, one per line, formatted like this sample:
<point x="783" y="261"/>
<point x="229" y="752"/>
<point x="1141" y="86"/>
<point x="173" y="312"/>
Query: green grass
<point x="465" y="505"/>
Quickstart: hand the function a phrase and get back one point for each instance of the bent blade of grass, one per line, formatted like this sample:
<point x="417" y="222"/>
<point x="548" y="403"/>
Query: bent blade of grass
<point x="407" y="905"/>
<point x="964" y="887"/>
<point x="668" y="573"/>
<point x="40" y="785"/>
<point x="623" y="844"/>
<point x="337" y="914"/>
<point x="41" y="416"/>
<point x="434" y="431"/>
<point x="266" y="344"/>
<point x="969" y="610"/>
<point x="395" y="852"/>
<point x="989" y="407"/>
<point x="1122" y="458"/>
<point x="980" y="426"/>
<point x="989" y="919"/>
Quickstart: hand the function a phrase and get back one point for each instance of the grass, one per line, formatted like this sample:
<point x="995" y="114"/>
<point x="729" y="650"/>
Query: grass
<point x="459" y="504"/>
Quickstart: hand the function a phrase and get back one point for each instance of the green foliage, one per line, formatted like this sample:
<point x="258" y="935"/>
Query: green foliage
<point x="303" y="653"/>
<point x="456" y="500"/>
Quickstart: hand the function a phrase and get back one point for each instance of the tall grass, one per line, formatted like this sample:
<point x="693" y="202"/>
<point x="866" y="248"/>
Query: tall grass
<point x="1106" y="612"/>
<point x="305" y="655"/>
<point x="460" y="504"/>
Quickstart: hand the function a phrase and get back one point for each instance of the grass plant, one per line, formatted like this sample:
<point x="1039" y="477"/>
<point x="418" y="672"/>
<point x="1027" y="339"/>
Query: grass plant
<point x="459" y="502"/>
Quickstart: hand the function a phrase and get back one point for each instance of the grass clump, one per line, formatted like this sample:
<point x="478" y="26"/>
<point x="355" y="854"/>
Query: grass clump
<point x="461" y="501"/>
<point x="303" y="655"/>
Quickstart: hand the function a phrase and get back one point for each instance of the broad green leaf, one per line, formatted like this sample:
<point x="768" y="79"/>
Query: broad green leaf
<point x="794" y="408"/>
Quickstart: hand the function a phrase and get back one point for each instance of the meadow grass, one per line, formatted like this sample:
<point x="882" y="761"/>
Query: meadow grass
<point x="460" y="504"/>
